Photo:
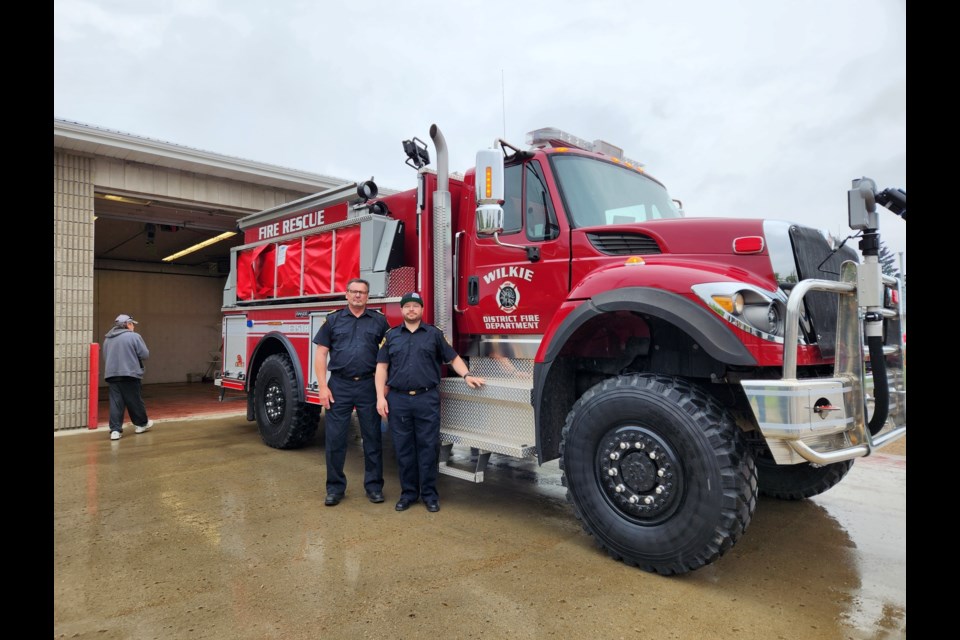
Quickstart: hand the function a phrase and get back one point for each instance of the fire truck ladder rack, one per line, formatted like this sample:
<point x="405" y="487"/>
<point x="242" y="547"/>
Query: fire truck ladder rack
<point x="495" y="419"/>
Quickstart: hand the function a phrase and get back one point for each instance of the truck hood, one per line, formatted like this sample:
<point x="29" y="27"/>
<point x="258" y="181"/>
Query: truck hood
<point x="686" y="235"/>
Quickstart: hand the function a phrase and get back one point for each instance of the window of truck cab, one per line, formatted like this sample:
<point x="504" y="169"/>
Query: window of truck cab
<point x="527" y="205"/>
<point x="597" y="192"/>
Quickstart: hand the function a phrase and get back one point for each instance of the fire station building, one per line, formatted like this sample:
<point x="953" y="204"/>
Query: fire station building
<point x="145" y="227"/>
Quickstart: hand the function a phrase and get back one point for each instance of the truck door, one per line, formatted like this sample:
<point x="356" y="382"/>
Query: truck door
<point x="502" y="293"/>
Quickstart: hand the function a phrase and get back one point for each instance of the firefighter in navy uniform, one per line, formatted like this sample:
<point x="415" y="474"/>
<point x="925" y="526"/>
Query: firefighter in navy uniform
<point x="409" y="363"/>
<point x="351" y="336"/>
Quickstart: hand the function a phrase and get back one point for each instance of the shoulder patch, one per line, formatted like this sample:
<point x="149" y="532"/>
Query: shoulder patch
<point x="330" y="316"/>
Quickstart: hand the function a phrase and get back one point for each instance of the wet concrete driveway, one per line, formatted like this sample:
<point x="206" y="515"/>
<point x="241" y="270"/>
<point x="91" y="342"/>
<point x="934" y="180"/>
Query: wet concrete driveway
<point x="198" y="530"/>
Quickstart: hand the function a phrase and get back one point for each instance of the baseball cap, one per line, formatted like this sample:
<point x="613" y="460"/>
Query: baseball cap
<point x="123" y="319"/>
<point x="413" y="296"/>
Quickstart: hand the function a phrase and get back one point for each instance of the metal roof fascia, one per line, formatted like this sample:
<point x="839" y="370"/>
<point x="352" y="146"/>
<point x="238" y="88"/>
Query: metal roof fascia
<point x="116" y="139"/>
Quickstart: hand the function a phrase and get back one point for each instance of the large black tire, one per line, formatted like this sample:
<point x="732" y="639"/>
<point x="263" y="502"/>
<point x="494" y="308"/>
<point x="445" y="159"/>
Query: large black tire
<point x="797" y="481"/>
<point x="657" y="473"/>
<point x="284" y="422"/>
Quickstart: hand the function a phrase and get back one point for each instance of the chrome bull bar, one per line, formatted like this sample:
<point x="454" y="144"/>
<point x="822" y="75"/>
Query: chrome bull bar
<point x="824" y="420"/>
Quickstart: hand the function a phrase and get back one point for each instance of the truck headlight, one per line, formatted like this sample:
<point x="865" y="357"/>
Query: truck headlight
<point x="765" y="317"/>
<point x="755" y="311"/>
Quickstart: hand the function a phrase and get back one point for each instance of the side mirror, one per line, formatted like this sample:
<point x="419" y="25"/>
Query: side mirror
<point x="489" y="219"/>
<point x="489" y="191"/>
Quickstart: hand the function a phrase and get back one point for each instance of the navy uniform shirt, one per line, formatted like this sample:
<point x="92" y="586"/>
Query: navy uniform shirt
<point x="415" y="357"/>
<point x="352" y="341"/>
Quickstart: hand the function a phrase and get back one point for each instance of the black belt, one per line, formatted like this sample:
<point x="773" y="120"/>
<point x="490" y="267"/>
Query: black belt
<point x="365" y="376"/>
<point x="415" y="392"/>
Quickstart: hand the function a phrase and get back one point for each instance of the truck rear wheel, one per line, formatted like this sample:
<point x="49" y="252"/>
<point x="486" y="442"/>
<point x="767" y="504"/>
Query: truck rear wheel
<point x="798" y="481"/>
<point x="284" y="422"/>
<point x="657" y="473"/>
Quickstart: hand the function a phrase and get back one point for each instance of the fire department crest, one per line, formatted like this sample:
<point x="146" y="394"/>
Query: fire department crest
<point x="508" y="297"/>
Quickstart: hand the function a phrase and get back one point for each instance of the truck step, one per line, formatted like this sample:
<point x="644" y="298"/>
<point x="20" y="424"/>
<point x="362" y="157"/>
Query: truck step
<point x="496" y="418"/>
<point x="463" y="474"/>
<point x="483" y="442"/>
<point x="472" y="472"/>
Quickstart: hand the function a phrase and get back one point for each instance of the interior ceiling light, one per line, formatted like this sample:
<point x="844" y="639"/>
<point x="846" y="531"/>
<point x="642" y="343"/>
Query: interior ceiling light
<point x="200" y="245"/>
<point x="124" y="199"/>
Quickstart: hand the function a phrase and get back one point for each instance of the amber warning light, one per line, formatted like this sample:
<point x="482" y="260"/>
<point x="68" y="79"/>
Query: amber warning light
<point x="489" y="176"/>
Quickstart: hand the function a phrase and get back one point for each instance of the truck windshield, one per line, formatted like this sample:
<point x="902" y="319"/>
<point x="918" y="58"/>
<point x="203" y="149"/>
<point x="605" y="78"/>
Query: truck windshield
<point x="596" y="193"/>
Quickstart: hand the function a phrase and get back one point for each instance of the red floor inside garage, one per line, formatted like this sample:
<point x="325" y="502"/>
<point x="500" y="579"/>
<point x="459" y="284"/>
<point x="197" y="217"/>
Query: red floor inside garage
<point x="178" y="400"/>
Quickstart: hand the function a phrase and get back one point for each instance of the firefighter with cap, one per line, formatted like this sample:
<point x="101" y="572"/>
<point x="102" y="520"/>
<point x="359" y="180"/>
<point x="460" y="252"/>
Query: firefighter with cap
<point x="409" y="364"/>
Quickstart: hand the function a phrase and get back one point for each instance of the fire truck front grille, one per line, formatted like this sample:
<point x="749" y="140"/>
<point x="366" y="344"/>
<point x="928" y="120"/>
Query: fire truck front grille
<point x="624" y="244"/>
<point x="815" y="259"/>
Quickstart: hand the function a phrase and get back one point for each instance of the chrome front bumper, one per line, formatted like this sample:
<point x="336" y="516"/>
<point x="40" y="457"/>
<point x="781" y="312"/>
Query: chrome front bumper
<point x="824" y="420"/>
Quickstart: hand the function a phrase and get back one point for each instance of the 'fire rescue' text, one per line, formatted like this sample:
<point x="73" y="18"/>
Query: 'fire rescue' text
<point x="291" y="225"/>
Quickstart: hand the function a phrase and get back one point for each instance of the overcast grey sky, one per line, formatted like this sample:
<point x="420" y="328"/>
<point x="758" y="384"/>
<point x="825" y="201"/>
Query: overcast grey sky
<point x="747" y="109"/>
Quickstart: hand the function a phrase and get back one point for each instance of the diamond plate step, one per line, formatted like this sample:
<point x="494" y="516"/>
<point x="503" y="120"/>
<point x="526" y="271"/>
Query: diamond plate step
<point x="496" y="418"/>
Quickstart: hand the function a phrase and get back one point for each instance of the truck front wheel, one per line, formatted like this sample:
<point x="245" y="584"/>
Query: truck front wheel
<point x="284" y="421"/>
<point x="657" y="472"/>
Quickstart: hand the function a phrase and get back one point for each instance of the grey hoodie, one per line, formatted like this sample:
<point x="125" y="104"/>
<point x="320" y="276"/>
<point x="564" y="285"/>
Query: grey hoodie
<point x="123" y="353"/>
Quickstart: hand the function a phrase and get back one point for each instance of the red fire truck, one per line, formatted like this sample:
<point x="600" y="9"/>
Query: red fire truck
<point x="677" y="367"/>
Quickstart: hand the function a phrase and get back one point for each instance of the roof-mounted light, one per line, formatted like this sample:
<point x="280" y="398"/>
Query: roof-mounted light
<point x="556" y="138"/>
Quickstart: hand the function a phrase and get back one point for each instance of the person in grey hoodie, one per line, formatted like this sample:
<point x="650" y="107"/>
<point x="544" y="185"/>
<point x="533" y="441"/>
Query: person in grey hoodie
<point x="124" y="352"/>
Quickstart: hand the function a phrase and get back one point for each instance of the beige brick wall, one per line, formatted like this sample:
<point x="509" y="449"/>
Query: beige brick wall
<point x="72" y="288"/>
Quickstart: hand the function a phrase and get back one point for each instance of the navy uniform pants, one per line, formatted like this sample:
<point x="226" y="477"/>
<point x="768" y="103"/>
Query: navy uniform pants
<point x="348" y="394"/>
<point x="126" y="394"/>
<point x="415" y="430"/>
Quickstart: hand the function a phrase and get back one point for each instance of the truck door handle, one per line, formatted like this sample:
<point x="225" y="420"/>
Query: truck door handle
<point x="473" y="290"/>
